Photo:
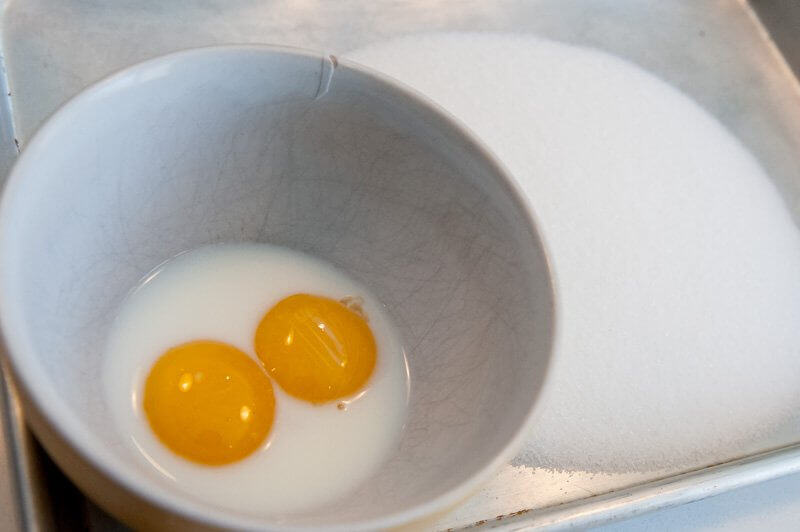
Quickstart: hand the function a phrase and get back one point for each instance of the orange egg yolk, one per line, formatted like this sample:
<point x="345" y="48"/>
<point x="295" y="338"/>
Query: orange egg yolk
<point x="209" y="402"/>
<point x="316" y="348"/>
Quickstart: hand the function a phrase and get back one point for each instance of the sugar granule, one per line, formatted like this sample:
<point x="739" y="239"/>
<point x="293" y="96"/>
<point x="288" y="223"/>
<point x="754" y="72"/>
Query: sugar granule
<point x="677" y="263"/>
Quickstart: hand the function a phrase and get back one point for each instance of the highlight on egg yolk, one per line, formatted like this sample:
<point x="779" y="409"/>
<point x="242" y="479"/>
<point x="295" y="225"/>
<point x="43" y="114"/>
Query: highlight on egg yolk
<point x="316" y="348"/>
<point x="209" y="402"/>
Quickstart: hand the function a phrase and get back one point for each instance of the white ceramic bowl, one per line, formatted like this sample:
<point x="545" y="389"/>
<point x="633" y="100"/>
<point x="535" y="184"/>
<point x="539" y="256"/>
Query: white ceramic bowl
<point x="248" y="143"/>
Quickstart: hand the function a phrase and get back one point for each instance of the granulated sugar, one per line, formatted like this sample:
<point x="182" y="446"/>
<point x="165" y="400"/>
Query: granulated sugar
<point x="677" y="264"/>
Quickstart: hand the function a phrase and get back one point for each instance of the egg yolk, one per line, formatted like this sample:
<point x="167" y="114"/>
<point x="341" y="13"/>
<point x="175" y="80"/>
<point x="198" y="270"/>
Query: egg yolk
<point x="316" y="348"/>
<point x="209" y="402"/>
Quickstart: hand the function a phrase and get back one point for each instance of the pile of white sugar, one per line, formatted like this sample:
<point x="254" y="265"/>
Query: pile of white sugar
<point x="677" y="263"/>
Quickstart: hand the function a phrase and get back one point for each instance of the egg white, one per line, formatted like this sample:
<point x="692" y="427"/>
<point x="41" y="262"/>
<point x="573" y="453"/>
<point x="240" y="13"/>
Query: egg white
<point x="314" y="454"/>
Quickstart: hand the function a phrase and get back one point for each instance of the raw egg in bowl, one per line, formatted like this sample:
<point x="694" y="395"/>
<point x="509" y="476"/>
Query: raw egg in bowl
<point x="261" y="288"/>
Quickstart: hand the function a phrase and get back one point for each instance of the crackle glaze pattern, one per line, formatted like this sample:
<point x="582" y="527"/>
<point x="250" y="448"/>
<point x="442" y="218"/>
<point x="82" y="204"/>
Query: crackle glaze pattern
<point x="303" y="151"/>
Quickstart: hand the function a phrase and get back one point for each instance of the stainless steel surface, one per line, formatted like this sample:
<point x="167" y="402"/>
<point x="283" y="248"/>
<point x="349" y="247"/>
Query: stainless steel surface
<point x="12" y="513"/>
<point x="34" y="499"/>
<point x="781" y="18"/>
<point x="12" y="494"/>
<point x="665" y="493"/>
<point x="715" y="50"/>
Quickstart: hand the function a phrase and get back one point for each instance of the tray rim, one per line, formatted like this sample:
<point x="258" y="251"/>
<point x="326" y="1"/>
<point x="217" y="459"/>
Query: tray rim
<point x="604" y="508"/>
<point x="653" y="495"/>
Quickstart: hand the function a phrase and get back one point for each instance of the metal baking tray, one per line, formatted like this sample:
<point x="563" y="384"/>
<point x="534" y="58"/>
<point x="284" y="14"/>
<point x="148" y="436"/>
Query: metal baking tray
<point x="732" y="56"/>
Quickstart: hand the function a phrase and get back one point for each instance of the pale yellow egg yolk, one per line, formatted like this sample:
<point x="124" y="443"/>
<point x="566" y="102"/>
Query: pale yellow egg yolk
<point x="209" y="402"/>
<point x="316" y="348"/>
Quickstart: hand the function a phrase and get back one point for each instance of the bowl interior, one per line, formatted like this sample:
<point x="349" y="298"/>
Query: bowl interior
<point x="293" y="149"/>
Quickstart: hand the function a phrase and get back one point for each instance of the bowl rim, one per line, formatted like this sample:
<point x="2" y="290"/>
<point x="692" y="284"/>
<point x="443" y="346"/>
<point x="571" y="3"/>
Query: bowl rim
<point x="66" y="424"/>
